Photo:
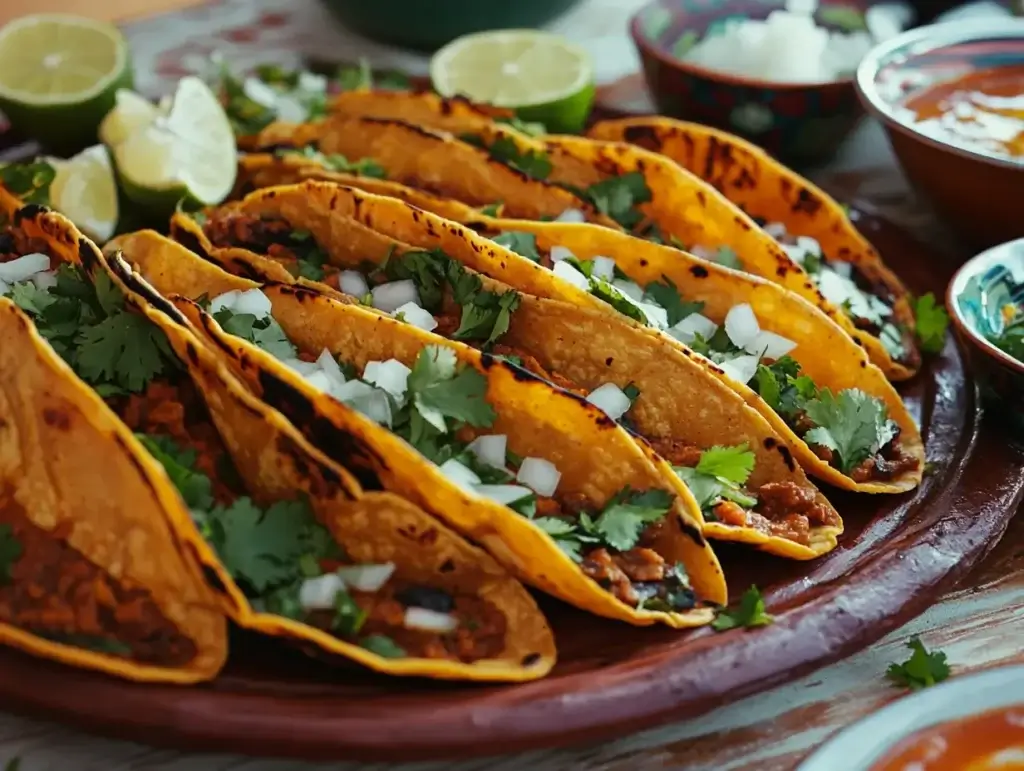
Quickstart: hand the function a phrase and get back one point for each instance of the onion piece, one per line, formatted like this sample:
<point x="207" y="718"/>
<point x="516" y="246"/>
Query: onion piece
<point x="291" y="110"/>
<point x="657" y="316"/>
<point x="809" y="245"/>
<point x="302" y="367"/>
<point x="539" y="475"/>
<point x="45" y="280"/>
<point x="844" y="269"/>
<point x="330" y="367"/>
<point x="629" y="289"/>
<point x="391" y="376"/>
<point x="611" y="400"/>
<point x="260" y="92"/>
<point x="572" y="216"/>
<point x="393" y="295"/>
<point x="352" y="389"/>
<point x="693" y="325"/>
<point x="352" y="282"/>
<point x="320" y="380"/>
<point x="312" y="82"/>
<point x="604" y="268"/>
<point x="769" y="345"/>
<point x="703" y="252"/>
<point x="490" y="449"/>
<point x="741" y="369"/>
<point x="417" y="316"/>
<point x="459" y="474"/>
<point x="559" y="253"/>
<point x="775" y="229"/>
<point x="741" y="325"/>
<point x="254" y="302"/>
<point x="504" y="494"/>
<point x="567" y="272"/>
<point x="23" y="268"/>
<point x="319" y="593"/>
<point x="366" y="578"/>
<point x="429" y="620"/>
<point x="224" y="301"/>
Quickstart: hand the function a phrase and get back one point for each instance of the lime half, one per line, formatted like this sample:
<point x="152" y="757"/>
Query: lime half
<point x="85" y="191"/>
<point x="184" y="149"/>
<point x="58" y="76"/>
<point x="543" y="77"/>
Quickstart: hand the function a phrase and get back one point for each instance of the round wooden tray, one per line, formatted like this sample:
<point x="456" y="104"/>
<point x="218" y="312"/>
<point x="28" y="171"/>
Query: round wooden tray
<point x="898" y="555"/>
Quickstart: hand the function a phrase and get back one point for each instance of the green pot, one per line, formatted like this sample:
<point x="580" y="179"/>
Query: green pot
<point x="429" y="24"/>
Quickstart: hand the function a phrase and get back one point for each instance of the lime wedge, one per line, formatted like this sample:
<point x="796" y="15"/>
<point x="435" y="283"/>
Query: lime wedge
<point x="85" y="191"/>
<point x="131" y="112"/>
<point x="184" y="150"/>
<point x="543" y="77"/>
<point x="58" y="77"/>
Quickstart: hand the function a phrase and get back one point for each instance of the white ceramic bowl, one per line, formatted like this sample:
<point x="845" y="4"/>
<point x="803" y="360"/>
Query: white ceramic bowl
<point x="865" y="743"/>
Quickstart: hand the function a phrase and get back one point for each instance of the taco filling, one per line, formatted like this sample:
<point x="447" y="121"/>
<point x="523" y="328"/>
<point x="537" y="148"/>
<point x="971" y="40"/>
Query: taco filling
<point x="284" y="560"/>
<point x="850" y="430"/>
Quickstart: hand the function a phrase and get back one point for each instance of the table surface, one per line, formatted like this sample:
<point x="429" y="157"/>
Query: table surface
<point x="978" y="626"/>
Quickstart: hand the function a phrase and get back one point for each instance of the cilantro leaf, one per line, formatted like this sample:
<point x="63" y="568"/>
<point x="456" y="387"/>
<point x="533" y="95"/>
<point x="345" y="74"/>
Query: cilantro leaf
<point x="603" y="290"/>
<point x="428" y="270"/>
<point x="618" y="197"/>
<point x="364" y="167"/>
<point x="440" y="390"/>
<point x="665" y="294"/>
<point x="10" y="552"/>
<point x="750" y="613"/>
<point x="355" y="77"/>
<point x="932" y="322"/>
<point x="532" y="163"/>
<point x="767" y="386"/>
<point x="491" y="209"/>
<point x="31" y="298"/>
<point x="530" y="128"/>
<point x="29" y="182"/>
<point x="383" y="646"/>
<point x="622" y="521"/>
<point x="264" y="332"/>
<point x="732" y="464"/>
<point x="195" y="488"/>
<point x="348" y="616"/>
<point x="523" y="244"/>
<point x="565" y="534"/>
<point x="726" y="257"/>
<point x="124" y="350"/>
<point x="922" y="670"/>
<point x="487" y="315"/>
<point x="719" y="475"/>
<point x="854" y="425"/>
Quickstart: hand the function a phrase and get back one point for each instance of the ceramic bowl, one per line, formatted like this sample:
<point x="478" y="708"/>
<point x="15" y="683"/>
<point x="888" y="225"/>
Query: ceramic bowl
<point x="978" y="194"/>
<point x="429" y="24"/>
<point x="799" y="124"/>
<point x="975" y="297"/>
<point x="865" y="743"/>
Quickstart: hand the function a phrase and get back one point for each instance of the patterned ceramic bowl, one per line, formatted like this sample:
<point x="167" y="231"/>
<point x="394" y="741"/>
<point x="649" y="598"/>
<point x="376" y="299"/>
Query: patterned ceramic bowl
<point x="799" y="124"/>
<point x="977" y="193"/>
<point x="977" y="298"/>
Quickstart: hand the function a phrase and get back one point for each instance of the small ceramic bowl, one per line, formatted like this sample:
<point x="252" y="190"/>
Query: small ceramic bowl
<point x="975" y="298"/>
<point x="978" y="194"/>
<point x="801" y="124"/>
<point x="864" y="744"/>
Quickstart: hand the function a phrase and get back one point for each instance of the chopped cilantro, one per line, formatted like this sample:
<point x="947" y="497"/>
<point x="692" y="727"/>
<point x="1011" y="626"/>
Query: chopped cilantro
<point x="491" y="209"/>
<point x="618" y="197"/>
<point x="523" y="244"/>
<point x="348" y="616"/>
<point x="568" y="536"/>
<point x="932" y="321"/>
<point x="382" y="646"/>
<point x="427" y="269"/>
<point x="264" y="332"/>
<point x="487" y="315"/>
<point x="364" y="167"/>
<point x="728" y="258"/>
<point x="533" y="163"/>
<point x="720" y="475"/>
<point x="853" y="425"/>
<point x="922" y="670"/>
<point x="665" y="294"/>
<point x="29" y="182"/>
<point x="603" y="290"/>
<point x="530" y="128"/>
<point x="10" y="552"/>
<point x="783" y="388"/>
<point x="812" y="263"/>
<point x="361" y="76"/>
<point x="750" y="613"/>
<point x="631" y="391"/>
<point x="195" y="488"/>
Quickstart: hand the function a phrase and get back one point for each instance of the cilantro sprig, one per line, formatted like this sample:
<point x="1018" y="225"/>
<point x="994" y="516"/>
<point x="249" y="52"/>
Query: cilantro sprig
<point x="750" y="613"/>
<point x="533" y="163"/>
<point x="932" y="320"/>
<point x="364" y="167"/>
<point x="618" y="197"/>
<point x="523" y="244"/>
<point x="720" y="475"/>
<point x="29" y="182"/>
<point x="263" y="332"/>
<point x="853" y="424"/>
<point x="923" y="669"/>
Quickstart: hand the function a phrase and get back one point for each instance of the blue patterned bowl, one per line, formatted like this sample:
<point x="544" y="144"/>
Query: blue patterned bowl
<point x="798" y="124"/>
<point x="976" y="297"/>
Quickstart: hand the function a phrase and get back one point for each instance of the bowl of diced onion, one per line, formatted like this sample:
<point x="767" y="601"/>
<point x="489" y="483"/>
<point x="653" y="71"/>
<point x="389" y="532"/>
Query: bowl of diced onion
<point x="776" y="72"/>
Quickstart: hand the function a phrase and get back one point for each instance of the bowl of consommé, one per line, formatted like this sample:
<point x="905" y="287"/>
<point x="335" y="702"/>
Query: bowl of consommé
<point x="951" y="99"/>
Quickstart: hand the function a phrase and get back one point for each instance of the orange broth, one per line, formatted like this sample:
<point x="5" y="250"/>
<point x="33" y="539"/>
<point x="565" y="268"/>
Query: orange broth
<point x="991" y="741"/>
<point x="982" y="110"/>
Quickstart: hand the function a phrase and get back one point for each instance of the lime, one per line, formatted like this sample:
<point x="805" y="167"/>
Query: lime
<point x="85" y="191"/>
<point x="543" y="77"/>
<point x="185" y="149"/>
<point x="58" y="77"/>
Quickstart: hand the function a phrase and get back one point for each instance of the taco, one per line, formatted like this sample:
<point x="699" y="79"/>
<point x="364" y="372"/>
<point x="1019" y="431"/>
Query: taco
<point x="665" y="396"/>
<point x="656" y="199"/>
<point x="286" y="538"/>
<point x="90" y="575"/>
<point x="811" y="226"/>
<point x="538" y="476"/>
<point x="843" y="420"/>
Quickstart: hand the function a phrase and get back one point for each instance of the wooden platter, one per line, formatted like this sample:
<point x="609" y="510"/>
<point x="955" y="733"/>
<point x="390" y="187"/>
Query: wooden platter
<point x="898" y="555"/>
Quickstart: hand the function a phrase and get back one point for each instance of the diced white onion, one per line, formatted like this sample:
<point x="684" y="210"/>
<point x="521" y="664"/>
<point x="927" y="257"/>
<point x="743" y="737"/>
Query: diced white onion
<point x="393" y="295"/>
<point x="23" y="268"/>
<point x="319" y="380"/>
<point x="330" y="367"/>
<point x="769" y="345"/>
<point x="260" y="92"/>
<point x="45" y="280"/>
<point x="567" y="272"/>
<point x="225" y="301"/>
<point x="391" y="375"/>
<point x="775" y="229"/>
<point x="604" y="268"/>
<point x="319" y="593"/>
<point x="459" y="474"/>
<point x="539" y="475"/>
<point x="571" y="215"/>
<point x="353" y="389"/>
<point x="417" y="316"/>
<point x="693" y="325"/>
<point x="490" y="449"/>
<point x="656" y="315"/>
<point x="352" y="282"/>
<point x="504" y="494"/>
<point x="302" y="367"/>
<point x="741" y="325"/>
<point x="375" y="406"/>
<point x="253" y="301"/>
<point x="741" y="369"/>
<point x="704" y="252"/>
<point x="610" y="399"/>
<point x="429" y="620"/>
<point x="630" y="289"/>
<point x="559" y="253"/>
<point x="844" y="269"/>
<point x="809" y="245"/>
<point x="366" y="578"/>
